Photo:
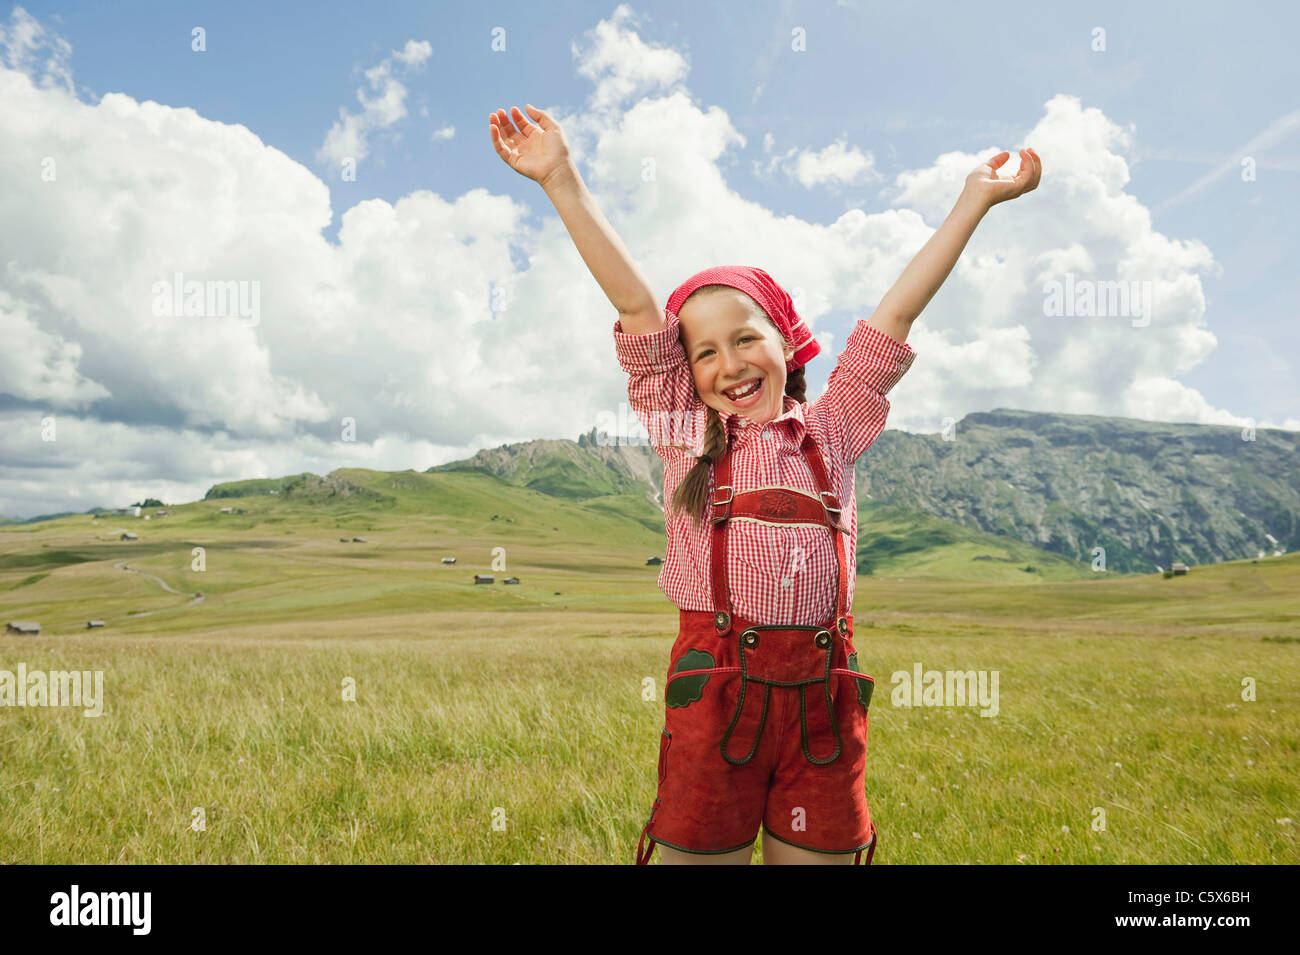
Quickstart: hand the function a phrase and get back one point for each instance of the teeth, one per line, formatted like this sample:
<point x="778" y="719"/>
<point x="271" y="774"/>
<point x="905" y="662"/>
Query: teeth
<point x="749" y="390"/>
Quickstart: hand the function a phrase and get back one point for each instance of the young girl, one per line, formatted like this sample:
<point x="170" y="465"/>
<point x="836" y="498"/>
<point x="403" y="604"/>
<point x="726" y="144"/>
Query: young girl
<point x="765" y="705"/>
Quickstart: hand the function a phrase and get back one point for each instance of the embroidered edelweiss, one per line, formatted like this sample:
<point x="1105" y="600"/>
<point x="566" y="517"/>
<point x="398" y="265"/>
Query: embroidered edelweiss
<point x="776" y="504"/>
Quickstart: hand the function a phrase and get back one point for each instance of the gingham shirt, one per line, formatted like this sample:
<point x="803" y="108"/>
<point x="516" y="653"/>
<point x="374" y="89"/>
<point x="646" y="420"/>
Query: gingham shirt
<point x="776" y="574"/>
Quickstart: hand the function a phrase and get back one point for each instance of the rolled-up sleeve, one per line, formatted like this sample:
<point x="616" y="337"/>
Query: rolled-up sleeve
<point x="870" y="365"/>
<point x="661" y="387"/>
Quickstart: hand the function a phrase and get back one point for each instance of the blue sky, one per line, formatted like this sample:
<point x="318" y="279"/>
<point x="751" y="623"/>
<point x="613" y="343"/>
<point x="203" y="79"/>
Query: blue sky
<point x="852" y="150"/>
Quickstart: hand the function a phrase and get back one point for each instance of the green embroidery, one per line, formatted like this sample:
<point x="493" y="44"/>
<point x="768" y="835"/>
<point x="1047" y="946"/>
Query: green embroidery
<point x="685" y="690"/>
<point x="864" y="686"/>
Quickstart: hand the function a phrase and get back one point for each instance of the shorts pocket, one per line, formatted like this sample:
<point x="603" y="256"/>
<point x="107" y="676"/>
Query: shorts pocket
<point x="685" y="687"/>
<point x="700" y="701"/>
<point x="865" y="684"/>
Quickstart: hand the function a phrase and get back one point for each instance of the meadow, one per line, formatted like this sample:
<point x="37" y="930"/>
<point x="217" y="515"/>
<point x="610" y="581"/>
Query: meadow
<point x="508" y="723"/>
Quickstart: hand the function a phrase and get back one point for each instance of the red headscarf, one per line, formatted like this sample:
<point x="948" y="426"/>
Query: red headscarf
<point x="763" y="289"/>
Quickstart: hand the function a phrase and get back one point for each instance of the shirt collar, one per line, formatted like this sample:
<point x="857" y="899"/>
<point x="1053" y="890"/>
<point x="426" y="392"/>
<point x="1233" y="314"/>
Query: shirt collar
<point x="792" y="413"/>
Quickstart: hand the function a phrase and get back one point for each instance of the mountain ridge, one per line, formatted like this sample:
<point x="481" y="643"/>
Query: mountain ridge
<point x="1146" y="493"/>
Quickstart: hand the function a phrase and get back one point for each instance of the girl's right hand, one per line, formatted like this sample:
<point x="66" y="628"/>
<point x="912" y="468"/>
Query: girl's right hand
<point x="532" y="151"/>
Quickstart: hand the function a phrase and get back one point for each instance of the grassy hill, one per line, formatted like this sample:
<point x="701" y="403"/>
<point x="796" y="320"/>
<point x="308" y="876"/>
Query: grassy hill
<point x="410" y="521"/>
<point x="543" y="700"/>
<point x="902" y="542"/>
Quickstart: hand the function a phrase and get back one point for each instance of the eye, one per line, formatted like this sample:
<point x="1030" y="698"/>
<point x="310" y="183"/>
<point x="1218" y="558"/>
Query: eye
<point x="709" y="351"/>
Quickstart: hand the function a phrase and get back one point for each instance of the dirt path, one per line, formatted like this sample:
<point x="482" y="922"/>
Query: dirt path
<point x="163" y="584"/>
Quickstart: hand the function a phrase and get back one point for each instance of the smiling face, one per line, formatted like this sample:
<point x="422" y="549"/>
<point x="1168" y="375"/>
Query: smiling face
<point x="730" y="343"/>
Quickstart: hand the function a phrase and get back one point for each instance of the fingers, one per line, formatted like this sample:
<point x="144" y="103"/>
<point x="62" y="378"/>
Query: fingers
<point x="525" y="127"/>
<point x="1027" y="176"/>
<point x="503" y="135"/>
<point x="497" y="141"/>
<point x="511" y="122"/>
<point x="505" y="127"/>
<point x="500" y="125"/>
<point x="1033" y="166"/>
<point x="540" y="117"/>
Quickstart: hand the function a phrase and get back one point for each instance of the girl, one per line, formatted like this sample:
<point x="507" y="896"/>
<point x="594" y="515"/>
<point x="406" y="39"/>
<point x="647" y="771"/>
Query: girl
<point x="765" y="706"/>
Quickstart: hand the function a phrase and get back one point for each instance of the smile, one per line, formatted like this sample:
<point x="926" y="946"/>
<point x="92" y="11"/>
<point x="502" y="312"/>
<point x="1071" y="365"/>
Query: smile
<point x="749" y="393"/>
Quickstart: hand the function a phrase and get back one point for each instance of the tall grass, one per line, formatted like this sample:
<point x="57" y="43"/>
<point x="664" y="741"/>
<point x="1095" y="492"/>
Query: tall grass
<point x="502" y="724"/>
<point x="533" y="744"/>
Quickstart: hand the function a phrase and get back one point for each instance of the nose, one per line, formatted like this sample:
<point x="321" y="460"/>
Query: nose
<point x="732" y="364"/>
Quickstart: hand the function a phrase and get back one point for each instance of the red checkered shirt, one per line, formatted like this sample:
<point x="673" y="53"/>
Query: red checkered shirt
<point x="777" y="574"/>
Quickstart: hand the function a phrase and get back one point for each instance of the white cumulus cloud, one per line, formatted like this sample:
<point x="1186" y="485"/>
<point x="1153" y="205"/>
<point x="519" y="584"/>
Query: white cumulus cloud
<point x="419" y="327"/>
<point x="348" y="138"/>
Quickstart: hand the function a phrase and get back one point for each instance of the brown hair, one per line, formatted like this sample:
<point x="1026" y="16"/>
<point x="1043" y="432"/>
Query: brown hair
<point x="691" y="495"/>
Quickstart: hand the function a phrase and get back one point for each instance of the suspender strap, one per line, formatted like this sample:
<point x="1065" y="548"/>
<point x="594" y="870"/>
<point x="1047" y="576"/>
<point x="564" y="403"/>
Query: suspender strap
<point x="777" y="506"/>
<point x="870" y="850"/>
<point x="643" y="852"/>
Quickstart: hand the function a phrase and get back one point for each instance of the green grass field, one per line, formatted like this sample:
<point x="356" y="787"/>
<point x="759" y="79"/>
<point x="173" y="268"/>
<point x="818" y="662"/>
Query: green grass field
<point x="504" y="724"/>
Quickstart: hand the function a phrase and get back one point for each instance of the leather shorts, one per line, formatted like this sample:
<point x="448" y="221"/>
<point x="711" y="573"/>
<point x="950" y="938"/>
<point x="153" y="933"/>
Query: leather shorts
<point x="763" y="725"/>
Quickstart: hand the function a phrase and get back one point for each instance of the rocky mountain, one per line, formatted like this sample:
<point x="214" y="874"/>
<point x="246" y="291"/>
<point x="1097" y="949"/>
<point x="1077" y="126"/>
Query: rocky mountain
<point x="1147" y="493"/>
<point x="593" y="466"/>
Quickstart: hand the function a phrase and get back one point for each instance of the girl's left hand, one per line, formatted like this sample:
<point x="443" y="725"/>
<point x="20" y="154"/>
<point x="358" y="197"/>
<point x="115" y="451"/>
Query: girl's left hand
<point x="984" y="185"/>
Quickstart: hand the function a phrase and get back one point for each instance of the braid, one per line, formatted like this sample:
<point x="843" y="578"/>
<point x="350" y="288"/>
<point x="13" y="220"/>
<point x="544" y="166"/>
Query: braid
<point x="691" y="495"/>
<point x="796" y="385"/>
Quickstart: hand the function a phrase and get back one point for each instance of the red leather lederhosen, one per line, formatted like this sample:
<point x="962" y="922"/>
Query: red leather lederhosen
<point x="764" y="723"/>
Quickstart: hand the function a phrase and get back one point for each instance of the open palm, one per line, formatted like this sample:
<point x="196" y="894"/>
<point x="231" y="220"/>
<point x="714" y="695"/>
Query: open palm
<point x="531" y="150"/>
<point x="984" y="182"/>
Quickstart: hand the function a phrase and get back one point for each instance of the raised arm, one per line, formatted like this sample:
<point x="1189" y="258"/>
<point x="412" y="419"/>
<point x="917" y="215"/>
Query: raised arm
<point x="541" y="153"/>
<point x="929" y="269"/>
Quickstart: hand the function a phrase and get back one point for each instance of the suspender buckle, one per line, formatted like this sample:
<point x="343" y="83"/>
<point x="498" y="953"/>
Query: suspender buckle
<point x="725" y="515"/>
<point x="835" y="502"/>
